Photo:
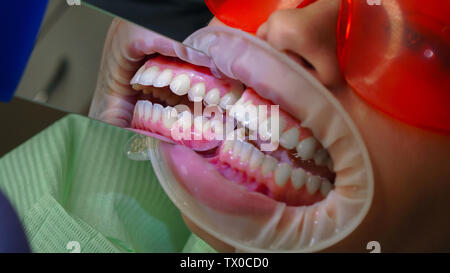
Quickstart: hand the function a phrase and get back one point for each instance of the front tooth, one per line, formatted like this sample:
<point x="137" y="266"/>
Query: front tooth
<point x="264" y="130"/>
<point x="325" y="188"/>
<point x="140" y="107"/>
<point x="169" y="117"/>
<point x="217" y="126"/>
<point x="289" y="139"/>
<point x="157" y="112"/>
<point x="149" y="75"/>
<point x="306" y="148"/>
<point x="256" y="159"/>
<point x="282" y="174"/>
<point x="268" y="165"/>
<point x="163" y="79"/>
<point x="265" y="127"/>
<point x="213" y="97"/>
<point x="197" y="92"/>
<point x="137" y="76"/>
<point x="180" y="84"/>
<point x="227" y="146"/>
<point x="246" y="152"/>
<point x="207" y="130"/>
<point x="229" y="99"/>
<point x="148" y="107"/>
<point x="298" y="178"/>
<point x="185" y="120"/>
<point x="313" y="184"/>
<point x="321" y="157"/>
<point x="237" y="148"/>
<point x="198" y="123"/>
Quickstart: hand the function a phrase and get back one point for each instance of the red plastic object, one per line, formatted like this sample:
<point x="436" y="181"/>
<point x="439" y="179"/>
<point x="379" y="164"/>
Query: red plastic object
<point x="248" y="15"/>
<point x="396" y="55"/>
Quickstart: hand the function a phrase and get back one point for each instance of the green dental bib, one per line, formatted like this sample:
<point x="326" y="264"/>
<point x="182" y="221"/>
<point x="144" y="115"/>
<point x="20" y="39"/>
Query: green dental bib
<point x="75" y="190"/>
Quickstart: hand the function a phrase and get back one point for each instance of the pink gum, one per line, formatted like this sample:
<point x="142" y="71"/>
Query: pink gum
<point x="196" y="73"/>
<point x="286" y="193"/>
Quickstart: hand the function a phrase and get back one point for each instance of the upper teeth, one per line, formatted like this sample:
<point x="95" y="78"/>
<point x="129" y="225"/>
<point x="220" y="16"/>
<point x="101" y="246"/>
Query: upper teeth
<point x="229" y="99"/>
<point x="163" y="79"/>
<point x="180" y="85"/>
<point x="306" y="148"/>
<point x="197" y="92"/>
<point x="149" y="75"/>
<point x="289" y="138"/>
<point x="212" y="97"/>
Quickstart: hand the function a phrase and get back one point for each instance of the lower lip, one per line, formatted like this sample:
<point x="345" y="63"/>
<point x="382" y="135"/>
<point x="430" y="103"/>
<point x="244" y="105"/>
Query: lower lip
<point x="208" y="186"/>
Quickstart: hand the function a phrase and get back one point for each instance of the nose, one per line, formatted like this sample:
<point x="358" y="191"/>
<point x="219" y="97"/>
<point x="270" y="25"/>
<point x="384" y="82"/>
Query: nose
<point x="308" y="35"/>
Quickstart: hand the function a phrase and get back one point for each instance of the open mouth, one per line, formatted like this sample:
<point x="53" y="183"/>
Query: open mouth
<point x="186" y="104"/>
<point x="263" y="182"/>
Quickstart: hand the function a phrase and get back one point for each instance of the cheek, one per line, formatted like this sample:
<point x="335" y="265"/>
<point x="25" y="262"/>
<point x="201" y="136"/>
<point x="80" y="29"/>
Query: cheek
<point x="398" y="151"/>
<point x="407" y="163"/>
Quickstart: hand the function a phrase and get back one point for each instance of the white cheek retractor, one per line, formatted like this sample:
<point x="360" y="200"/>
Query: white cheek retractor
<point x="263" y="224"/>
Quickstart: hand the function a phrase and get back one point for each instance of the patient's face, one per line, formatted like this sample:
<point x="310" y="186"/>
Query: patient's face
<point x="411" y="165"/>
